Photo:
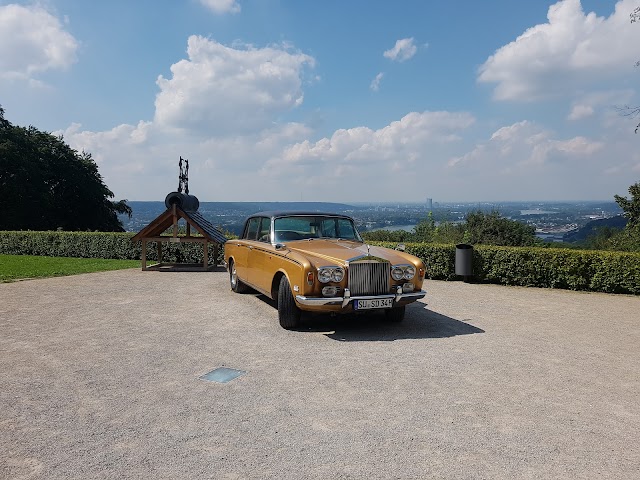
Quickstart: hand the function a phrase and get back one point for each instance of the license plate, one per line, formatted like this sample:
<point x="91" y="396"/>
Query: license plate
<point x="375" y="303"/>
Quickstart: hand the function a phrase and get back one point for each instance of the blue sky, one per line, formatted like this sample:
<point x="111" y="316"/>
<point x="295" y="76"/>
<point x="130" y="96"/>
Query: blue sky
<point x="333" y="101"/>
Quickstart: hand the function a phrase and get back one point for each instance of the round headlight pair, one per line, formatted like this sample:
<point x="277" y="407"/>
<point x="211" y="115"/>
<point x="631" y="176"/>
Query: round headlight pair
<point x="330" y="274"/>
<point x="403" y="272"/>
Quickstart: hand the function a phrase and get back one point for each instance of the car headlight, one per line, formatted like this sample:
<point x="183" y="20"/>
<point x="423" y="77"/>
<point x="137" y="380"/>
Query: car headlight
<point x="403" y="272"/>
<point x="330" y="274"/>
<point x="397" y="273"/>
<point x="409" y="272"/>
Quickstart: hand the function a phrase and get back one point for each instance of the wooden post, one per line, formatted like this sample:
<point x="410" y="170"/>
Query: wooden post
<point x="175" y="221"/>
<point x="216" y="251"/>
<point x="159" y="252"/>
<point x="206" y="254"/>
<point x="188" y="229"/>
<point x="144" y="254"/>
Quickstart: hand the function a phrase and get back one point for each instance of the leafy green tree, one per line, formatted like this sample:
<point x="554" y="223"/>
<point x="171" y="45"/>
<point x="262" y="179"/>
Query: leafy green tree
<point x="493" y="229"/>
<point x="425" y="230"/>
<point x="631" y="206"/>
<point x="629" y="238"/>
<point x="479" y="228"/>
<point x="45" y="184"/>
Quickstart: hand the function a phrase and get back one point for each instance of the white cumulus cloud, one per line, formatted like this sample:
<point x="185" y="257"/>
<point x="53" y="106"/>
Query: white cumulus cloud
<point x="222" y="6"/>
<point x="571" y="49"/>
<point x="33" y="41"/>
<point x="405" y="140"/>
<point x="580" y="111"/>
<point x="220" y="89"/>
<point x="518" y="147"/>
<point x="403" y="50"/>
<point x="375" y="83"/>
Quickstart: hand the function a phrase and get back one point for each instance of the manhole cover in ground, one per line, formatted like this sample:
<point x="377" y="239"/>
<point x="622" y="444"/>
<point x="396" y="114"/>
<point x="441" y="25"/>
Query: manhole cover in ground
<point x="222" y="375"/>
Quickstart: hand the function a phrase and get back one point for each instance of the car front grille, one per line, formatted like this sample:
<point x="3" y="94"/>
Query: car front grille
<point x="369" y="278"/>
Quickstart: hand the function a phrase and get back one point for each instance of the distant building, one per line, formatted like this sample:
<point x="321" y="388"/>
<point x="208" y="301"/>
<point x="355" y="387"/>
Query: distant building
<point x="429" y="203"/>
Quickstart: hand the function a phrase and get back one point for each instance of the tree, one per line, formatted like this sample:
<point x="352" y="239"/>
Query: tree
<point x="628" y="111"/>
<point x="425" y="230"/>
<point x="493" y="229"/>
<point x="631" y="207"/>
<point x="45" y="184"/>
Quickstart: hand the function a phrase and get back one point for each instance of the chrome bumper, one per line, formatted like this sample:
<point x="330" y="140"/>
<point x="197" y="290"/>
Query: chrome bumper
<point x="344" y="301"/>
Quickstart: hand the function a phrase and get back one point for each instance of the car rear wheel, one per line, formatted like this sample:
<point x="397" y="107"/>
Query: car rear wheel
<point x="394" y="315"/>
<point x="236" y="285"/>
<point x="288" y="312"/>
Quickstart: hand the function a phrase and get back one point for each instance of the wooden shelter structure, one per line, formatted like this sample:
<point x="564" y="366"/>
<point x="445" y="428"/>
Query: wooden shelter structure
<point x="180" y="206"/>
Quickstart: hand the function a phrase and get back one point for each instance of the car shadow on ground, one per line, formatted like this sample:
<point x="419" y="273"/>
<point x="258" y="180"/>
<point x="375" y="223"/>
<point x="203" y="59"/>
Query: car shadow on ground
<point x="419" y="322"/>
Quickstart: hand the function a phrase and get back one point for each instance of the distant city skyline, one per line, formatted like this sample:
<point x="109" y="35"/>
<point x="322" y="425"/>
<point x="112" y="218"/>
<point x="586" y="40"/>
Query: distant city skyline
<point x="359" y="101"/>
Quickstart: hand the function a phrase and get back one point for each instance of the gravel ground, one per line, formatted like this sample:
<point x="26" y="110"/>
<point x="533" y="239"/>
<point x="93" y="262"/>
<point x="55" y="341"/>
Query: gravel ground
<point x="100" y="378"/>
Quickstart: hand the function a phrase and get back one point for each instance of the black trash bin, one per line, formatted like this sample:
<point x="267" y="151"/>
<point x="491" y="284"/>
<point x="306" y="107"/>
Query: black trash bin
<point x="464" y="260"/>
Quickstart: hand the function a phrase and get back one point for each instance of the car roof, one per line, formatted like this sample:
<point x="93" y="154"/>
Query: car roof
<point x="285" y="213"/>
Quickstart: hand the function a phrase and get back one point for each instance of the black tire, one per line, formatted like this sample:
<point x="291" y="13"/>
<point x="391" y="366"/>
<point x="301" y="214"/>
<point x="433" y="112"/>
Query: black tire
<point x="288" y="312"/>
<point x="236" y="285"/>
<point x="395" y="315"/>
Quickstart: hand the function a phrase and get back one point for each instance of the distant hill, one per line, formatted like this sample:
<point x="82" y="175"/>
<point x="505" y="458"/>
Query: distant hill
<point x="590" y="228"/>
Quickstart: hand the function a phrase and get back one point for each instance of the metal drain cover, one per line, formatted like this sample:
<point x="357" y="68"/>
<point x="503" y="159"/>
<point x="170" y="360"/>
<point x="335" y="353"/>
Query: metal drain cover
<point x="222" y="375"/>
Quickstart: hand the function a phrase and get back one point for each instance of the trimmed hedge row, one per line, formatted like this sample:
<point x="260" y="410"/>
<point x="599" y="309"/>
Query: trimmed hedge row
<point x="611" y="272"/>
<point x="600" y="271"/>
<point x="100" y="245"/>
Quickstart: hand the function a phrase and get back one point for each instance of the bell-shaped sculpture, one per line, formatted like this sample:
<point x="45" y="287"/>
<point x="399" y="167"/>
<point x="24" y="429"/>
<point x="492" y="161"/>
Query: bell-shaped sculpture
<point x="188" y="203"/>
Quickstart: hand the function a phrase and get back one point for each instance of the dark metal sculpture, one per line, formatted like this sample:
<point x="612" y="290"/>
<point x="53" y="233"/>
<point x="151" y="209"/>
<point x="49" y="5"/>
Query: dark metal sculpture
<point x="183" y="177"/>
<point x="183" y="200"/>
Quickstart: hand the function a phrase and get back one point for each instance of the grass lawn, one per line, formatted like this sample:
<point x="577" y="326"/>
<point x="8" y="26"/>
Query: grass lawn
<point x="13" y="267"/>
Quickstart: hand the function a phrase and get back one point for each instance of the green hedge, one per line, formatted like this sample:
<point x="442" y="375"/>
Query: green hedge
<point x="601" y="271"/>
<point x="611" y="272"/>
<point x="100" y="245"/>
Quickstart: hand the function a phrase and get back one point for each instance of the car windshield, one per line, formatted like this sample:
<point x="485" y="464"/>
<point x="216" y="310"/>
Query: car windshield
<point x="306" y="227"/>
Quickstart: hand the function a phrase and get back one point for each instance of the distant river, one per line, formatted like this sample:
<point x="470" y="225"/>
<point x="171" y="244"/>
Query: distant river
<point x="535" y="212"/>
<point x="391" y="228"/>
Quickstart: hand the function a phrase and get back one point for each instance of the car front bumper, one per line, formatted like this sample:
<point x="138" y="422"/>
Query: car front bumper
<point x="397" y="297"/>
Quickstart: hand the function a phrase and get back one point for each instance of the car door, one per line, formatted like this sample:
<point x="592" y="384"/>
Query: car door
<point x="243" y="246"/>
<point x="260" y="256"/>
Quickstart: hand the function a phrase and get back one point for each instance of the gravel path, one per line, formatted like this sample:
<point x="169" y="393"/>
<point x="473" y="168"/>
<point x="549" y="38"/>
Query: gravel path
<point x="100" y="378"/>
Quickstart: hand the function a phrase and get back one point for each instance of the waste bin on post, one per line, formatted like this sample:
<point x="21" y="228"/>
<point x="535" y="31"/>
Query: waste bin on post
<point x="464" y="260"/>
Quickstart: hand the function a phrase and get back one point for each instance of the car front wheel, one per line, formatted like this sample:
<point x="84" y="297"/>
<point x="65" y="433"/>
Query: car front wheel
<point x="288" y="312"/>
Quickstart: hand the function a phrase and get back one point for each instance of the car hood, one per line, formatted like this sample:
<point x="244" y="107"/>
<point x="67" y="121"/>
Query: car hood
<point x="340" y="251"/>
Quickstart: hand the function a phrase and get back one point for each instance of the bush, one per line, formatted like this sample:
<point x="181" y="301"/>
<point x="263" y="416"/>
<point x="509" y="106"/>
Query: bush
<point x="610" y="272"/>
<point x="100" y="245"/>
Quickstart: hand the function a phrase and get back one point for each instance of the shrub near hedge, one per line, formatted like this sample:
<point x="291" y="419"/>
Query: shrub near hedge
<point x="611" y="272"/>
<point x="601" y="271"/>
<point x="99" y="245"/>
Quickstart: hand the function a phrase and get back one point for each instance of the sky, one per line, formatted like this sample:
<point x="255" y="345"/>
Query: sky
<point x="333" y="100"/>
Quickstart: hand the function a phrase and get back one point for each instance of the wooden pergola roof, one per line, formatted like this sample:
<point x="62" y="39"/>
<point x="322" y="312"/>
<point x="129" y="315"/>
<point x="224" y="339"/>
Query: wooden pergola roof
<point x="194" y="219"/>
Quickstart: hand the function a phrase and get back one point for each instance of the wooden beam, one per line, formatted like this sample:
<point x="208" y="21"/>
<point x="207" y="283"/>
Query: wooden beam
<point x="175" y="221"/>
<point x="144" y="254"/>
<point x="205" y="255"/>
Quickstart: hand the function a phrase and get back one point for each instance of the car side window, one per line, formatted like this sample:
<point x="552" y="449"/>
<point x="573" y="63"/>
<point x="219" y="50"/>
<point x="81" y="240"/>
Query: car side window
<point x="252" y="229"/>
<point x="265" y="230"/>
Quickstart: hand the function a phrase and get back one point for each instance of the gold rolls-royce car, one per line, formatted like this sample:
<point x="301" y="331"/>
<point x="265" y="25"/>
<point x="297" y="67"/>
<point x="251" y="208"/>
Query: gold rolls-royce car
<point x="318" y="262"/>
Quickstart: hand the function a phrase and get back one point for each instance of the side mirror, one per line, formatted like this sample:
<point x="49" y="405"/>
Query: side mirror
<point x="401" y="247"/>
<point x="280" y="246"/>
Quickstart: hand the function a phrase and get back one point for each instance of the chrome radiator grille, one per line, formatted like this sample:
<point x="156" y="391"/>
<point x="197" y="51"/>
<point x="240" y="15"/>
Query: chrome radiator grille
<point x="369" y="278"/>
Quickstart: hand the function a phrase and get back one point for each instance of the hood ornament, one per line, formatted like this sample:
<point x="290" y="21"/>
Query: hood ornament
<point x="368" y="250"/>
